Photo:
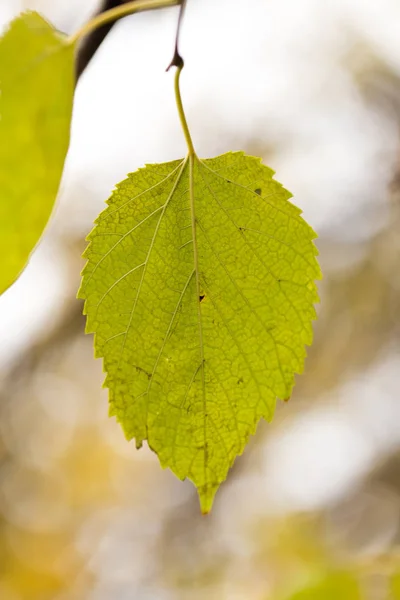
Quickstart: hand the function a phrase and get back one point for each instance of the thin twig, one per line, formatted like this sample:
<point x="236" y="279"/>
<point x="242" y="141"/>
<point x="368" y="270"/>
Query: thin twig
<point x="118" y="12"/>
<point x="93" y="41"/>
<point x="177" y="60"/>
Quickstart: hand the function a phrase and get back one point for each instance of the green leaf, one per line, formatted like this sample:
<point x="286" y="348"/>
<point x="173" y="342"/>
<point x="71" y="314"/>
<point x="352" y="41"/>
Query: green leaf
<point x="334" y="586"/>
<point x="395" y="586"/>
<point x="36" y="90"/>
<point x="201" y="302"/>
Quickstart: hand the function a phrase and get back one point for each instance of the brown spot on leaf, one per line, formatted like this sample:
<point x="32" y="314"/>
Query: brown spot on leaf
<point x="140" y="370"/>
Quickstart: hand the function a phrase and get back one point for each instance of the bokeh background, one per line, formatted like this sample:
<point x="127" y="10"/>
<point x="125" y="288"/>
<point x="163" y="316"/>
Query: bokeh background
<point x="311" y="511"/>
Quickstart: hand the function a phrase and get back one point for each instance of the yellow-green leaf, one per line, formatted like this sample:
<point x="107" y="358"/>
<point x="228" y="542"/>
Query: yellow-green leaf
<point x="395" y="586"/>
<point x="200" y="288"/>
<point x="36" y="91"/>
<point x="334" y="586"/>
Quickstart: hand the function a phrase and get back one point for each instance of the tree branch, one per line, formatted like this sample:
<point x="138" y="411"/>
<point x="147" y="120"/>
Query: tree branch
<point x="93" y="41"/>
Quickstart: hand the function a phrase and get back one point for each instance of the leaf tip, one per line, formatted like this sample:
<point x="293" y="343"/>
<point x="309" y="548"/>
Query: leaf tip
<point x="206" y="497"/>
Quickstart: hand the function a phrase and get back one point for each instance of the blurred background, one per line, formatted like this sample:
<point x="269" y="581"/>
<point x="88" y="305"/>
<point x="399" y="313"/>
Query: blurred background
<point x="311" y="511"/>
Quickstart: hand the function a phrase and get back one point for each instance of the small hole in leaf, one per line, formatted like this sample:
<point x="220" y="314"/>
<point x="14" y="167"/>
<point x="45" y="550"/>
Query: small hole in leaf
<point x="201" y="298"/>
<point x="258" y="191"/>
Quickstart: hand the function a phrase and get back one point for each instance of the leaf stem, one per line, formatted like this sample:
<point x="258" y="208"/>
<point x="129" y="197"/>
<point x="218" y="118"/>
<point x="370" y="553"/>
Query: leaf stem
<point x="181" y="112"/>
<point x="116" y="13"/>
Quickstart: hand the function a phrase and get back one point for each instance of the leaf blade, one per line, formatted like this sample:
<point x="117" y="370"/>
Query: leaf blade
<point x="36" y="84"/>
<point x="213" y="334"/>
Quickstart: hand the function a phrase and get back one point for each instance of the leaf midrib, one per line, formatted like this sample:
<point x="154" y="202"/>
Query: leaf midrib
<point x="192" y="158"/>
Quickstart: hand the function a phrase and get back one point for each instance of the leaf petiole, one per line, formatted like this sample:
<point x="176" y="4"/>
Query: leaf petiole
<point x="178" y="62"/>
<point x="181" y="112"/>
